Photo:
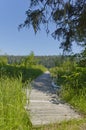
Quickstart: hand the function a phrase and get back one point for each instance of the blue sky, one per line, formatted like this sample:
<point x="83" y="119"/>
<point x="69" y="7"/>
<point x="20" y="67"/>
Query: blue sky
<point x="14" y="42"/>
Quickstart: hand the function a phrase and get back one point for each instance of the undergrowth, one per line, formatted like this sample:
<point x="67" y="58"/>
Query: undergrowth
<point x="72" y="80"/>
<point x="13" y="80"/>
<point x="27" y="72"/>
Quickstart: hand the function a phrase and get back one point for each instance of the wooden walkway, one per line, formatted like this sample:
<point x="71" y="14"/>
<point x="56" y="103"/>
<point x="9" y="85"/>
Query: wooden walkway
<point x="45" y="107"/>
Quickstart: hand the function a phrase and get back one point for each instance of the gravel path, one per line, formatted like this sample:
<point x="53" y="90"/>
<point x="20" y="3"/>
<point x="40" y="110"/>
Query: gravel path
<point x="45" y="107"/>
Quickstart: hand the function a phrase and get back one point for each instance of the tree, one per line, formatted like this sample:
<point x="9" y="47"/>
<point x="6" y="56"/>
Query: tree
<point x="68" y="16"/>
<point x="29" y="60"/>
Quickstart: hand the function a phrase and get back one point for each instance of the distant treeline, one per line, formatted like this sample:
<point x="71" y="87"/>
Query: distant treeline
<point x="47" y="61"/>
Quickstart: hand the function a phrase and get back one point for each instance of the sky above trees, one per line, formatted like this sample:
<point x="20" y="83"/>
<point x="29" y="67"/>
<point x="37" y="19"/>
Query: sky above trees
<point x="15" y="42"/>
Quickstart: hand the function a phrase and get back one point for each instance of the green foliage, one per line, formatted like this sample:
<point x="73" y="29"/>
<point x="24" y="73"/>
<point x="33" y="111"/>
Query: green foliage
<point x="13" y="115"/>
<point x="29" y="60"/>
<point x="13" y="81"/>
<point x="26" y="72"/>
<point x="47" y="61"/>
<point x="67" y="16"/>
<point x="28" y="68"/>
<point x="3" y="60"/>
<point x="82" y="61"/>
<point x="73" y="81"/>
<point x="74" y="89"/>
<point x="52" y="61"/>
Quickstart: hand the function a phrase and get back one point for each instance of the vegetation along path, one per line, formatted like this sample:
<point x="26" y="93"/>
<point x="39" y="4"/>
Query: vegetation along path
<point x="45" y="107"/>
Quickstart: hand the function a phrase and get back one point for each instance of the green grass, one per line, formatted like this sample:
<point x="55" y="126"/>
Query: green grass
<point x="13" y="79"/>
<point x="27" y="73"/>
<point x="13" y="115"/>
<point x="73" y="82"/>
<point x="77" y="101"/>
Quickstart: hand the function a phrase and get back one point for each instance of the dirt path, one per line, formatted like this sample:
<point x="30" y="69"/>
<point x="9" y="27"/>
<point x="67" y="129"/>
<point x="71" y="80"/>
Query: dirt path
<point x="44" y="108"/>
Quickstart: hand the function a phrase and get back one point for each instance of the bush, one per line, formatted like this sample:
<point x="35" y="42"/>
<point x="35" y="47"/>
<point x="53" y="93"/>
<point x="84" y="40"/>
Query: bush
<point x="73" y="81"/>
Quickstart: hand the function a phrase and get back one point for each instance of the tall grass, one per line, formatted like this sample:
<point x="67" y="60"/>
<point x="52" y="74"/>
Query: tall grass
<point x="27" y="72"/>
<point x="74" y="89"/>
<point x="13" y="116"/>
<point x="73" y="81"/>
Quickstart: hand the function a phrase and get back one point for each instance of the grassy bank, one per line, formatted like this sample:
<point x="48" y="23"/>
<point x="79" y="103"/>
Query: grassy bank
<point x="27" y="72"/>
<point x="72" y="80"/>
<point x="13" y="78"/>
<point x="13" y="116"/>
